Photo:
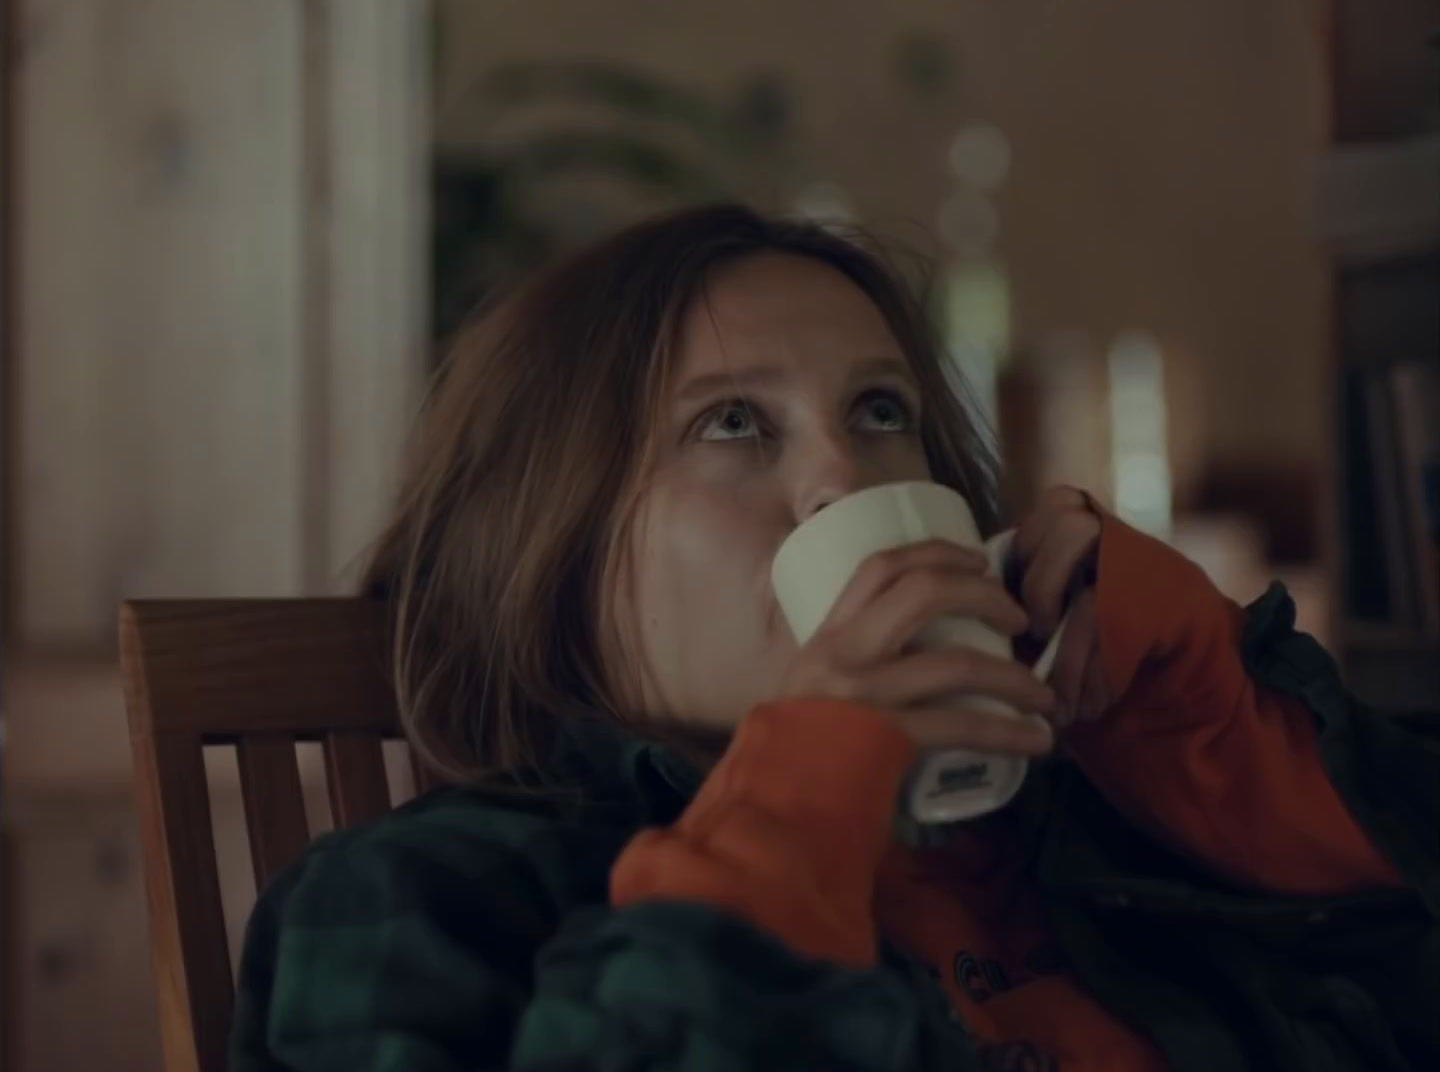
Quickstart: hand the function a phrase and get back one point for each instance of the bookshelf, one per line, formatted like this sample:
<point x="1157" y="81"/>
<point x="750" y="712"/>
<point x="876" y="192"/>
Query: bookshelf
<point x="1395" y="672"/>
<point x="1379" y="207"/>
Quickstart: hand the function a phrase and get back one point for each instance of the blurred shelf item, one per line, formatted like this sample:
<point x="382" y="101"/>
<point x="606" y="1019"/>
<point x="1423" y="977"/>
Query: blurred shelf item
<point x="1377" y="209"/>
<point x="1390" y="311"/>
<point x="1391" y="667"/>
<point x="1396" y="679"/>
<point x="1379" y="201"/>
<point x="1390" y="436"/>
<point x="1372" y="638"/>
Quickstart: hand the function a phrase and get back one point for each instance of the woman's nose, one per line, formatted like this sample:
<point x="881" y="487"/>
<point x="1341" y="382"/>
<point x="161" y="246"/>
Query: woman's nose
<point x="830" y="474"/>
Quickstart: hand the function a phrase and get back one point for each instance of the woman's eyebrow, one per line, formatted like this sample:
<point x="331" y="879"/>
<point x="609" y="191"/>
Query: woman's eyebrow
<point x="708" y="384"/>
<point x="884" y="366"/>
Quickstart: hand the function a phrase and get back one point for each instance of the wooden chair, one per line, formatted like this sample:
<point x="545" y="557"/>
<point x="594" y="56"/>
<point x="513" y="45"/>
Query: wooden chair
<point x="259" y="675"/>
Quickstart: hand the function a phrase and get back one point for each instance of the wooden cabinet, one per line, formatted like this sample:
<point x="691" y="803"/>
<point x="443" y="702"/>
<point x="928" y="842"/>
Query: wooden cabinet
<point x="83" y="981"/>
<point x="81" y="960"/>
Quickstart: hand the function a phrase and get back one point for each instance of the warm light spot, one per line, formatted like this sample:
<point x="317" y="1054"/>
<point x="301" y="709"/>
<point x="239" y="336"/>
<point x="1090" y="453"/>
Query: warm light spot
<point x="980" y="156"/>
<point x="1138" y="433"/>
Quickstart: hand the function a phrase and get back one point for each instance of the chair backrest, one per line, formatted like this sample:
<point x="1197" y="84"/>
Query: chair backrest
<point x="260" y="675"/>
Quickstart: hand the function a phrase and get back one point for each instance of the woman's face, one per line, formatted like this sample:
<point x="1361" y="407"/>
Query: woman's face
<point x="790" y="391"/>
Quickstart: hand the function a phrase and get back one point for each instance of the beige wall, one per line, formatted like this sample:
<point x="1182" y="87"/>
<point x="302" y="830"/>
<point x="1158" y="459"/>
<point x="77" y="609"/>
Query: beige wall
<point x="1162" y="156"/>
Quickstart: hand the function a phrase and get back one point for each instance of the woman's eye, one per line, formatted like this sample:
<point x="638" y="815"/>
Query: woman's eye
<point x="731" y="420"/>
<point x="885" y="411"/>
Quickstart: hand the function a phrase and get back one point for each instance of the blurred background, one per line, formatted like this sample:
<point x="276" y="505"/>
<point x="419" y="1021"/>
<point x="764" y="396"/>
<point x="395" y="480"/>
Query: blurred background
<point x="1188" y="252"/>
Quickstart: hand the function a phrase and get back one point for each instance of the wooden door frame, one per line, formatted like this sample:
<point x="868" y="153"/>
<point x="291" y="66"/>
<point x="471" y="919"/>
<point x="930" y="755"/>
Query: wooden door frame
<point x="10" y="1019"/>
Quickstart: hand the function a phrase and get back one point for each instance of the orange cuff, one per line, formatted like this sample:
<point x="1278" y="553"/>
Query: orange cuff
<point x="1226" y="771"/>
<point x="1151" y="602"/>
<point x="787" y="831"/>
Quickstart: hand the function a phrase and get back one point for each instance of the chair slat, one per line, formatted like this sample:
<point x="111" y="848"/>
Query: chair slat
<point x="260" y="674"/>
<point x="274" y="804"/>
<point x="224" y="668"/>
<point x="191" y="954"/>
<point x="355" y="771"/>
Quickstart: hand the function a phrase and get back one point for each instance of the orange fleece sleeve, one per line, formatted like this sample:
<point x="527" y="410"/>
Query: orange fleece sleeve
<point x="1223" y="769"/>
<point x="787" y="831"/>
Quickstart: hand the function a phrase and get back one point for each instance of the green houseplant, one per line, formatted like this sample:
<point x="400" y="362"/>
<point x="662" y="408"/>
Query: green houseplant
<point x="575" y="147"/>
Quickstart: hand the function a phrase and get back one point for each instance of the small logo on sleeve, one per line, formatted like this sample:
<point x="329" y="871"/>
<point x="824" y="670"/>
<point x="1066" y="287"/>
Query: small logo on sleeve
<point x="980" y="977"/>
<point x="1016" y="1057"/>
<point x="962" y="779"/>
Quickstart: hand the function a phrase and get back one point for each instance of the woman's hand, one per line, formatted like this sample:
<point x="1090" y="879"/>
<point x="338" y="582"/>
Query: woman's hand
<point x="1054" y="568"/>
<point x="864" y="652"/>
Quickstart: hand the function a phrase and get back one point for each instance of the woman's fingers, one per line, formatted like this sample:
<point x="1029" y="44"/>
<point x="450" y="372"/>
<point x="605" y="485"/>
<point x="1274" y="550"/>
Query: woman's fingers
<point x="1055" y="548"/>
<point x="902" y="611"/>
<point x="1049" y="575"/>
<point x="940" y="727"/>
<point x="1079" y="676"/>
<point x="1053" y="504"/>
<point x="929" y="677"/>
<point x="1073" y="660"/>
<point x="880" y="571"/>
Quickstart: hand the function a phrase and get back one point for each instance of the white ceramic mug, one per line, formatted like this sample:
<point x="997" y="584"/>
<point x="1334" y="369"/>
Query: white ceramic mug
<point x="816" y="562"/>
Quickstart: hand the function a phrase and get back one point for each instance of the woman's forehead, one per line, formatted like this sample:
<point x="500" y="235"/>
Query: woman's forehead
<point x="776" y="311"/>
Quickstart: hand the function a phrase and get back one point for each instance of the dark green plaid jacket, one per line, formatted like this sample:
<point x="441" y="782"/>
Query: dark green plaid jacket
<point x="465" y="932"/>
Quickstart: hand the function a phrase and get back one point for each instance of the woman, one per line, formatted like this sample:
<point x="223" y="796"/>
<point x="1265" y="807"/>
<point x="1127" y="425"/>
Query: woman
<point x="670" y="842"/>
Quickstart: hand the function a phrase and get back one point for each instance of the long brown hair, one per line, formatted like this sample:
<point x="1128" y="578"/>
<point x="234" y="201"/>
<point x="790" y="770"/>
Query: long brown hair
<point x="496" y="563"/>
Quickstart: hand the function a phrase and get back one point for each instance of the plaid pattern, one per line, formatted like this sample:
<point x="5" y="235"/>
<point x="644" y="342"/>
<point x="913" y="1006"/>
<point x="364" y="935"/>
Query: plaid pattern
<point x="412" y="945"/>
<point x="466" y="932"/>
